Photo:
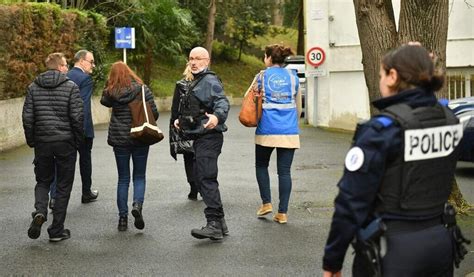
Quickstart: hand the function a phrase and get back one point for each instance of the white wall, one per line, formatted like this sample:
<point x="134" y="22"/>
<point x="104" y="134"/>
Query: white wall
<point x="11" y="126"/>
<point x="340" y="98"/>
<point x="348" y="100"/>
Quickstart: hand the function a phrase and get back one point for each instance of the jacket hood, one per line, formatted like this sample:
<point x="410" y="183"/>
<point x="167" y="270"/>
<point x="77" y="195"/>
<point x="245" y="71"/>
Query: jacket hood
<point x="51" y="79"/>
<point x="126" y="95"/>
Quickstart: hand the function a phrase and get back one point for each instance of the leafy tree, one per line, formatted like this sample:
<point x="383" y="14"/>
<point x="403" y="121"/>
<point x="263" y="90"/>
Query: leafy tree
<point x="245" y="26"/>
<point x="290" y="13"/>
<point x="235" y="22"/>
<point x="162" y="30"/>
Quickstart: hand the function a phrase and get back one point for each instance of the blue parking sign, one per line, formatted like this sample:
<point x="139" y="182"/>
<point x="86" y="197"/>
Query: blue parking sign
<point x="125" y="37"/>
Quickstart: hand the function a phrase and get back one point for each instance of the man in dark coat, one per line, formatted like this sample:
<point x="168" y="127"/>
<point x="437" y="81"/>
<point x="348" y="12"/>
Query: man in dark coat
<point x="53" y="125"/>
<point x="80" y="74"/>
<point x="202" y="118"/>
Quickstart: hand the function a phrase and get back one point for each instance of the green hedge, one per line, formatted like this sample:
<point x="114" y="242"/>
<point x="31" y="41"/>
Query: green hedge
<point x="31" y="31"/>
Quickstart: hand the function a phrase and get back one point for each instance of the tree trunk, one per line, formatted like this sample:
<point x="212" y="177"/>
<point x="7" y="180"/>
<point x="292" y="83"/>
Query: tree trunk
<point x="300" y="45"/>
<point x="147" y="66"/>
<point x="241" y="45"/>
<point x="377" y="34"/>
<point x="277" y="18"/>
<point x="211" y="22"/>
<point x="430" y="28"/>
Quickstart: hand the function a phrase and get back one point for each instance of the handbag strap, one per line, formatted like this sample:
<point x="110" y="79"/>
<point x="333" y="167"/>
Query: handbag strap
<point x="144" y="103"/>
<point x="262" y="84"/>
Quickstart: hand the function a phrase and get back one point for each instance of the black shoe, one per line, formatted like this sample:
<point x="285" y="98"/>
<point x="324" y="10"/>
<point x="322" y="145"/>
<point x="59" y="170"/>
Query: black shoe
<point x="225" y="230"/>
<point x="35" y="227"/>
<point x="193" y="195"/>
<point x="52" y="202"/>
<point x="212" y="231"/>
<point x="137" y="214"/>
<point x="90" y="197"/>
<point x="64" y="235"/>
<point x="123" y="223"/>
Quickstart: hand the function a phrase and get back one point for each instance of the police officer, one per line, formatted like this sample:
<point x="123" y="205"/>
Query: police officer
<point x="398" y="177"/>
<point x="202" y="113"/>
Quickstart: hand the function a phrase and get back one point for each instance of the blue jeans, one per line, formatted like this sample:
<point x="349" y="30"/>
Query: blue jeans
<point x="122" y="157"/>
<point x="284" y="161"/>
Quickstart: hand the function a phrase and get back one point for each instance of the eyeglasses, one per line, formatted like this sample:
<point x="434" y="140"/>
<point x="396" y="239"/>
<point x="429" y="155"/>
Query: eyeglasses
<point x="197" y="59"/>
<point x="91" y="62"/>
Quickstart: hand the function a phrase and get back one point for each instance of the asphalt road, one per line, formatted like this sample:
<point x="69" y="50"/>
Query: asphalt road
<point x="165" y="247"/>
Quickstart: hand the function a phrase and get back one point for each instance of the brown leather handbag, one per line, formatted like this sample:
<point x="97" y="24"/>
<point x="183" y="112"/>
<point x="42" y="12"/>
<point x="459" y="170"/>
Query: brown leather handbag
<point x="144" y="126"/>
<point x="251" y="109"/>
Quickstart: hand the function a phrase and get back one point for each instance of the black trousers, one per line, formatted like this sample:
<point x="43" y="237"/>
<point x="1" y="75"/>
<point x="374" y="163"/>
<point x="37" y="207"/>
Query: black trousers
<point x="207" y="149"/>
<point x="85" y="164"/>
<point x="189" y="168"/>
<point x="423" y="253"/>
<point x="47" y="156"/>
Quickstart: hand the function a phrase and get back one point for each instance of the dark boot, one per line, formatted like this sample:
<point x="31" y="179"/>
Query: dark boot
<point x="137" y="214"/>
<point x="66" y="234"/>
<point x="90" y="197"/>
<point x="123" y="223"/>
<point x="225" y="230"/>
<point x="212" y="230"/>
<point x="193" y="194"/>
<point x="35" y="227"/>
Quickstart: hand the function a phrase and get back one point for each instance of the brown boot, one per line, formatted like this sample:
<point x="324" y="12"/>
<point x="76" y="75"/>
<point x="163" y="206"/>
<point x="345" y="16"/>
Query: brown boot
<point x="281" y="218"/>
<point x="264" y="209"/>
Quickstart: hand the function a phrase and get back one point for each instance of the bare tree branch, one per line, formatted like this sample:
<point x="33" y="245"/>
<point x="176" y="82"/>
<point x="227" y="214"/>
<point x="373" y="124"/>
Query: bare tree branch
<point x="120" y="13"/>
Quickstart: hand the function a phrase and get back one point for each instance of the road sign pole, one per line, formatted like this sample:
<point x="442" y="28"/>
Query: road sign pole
<point x="125" y="55"/>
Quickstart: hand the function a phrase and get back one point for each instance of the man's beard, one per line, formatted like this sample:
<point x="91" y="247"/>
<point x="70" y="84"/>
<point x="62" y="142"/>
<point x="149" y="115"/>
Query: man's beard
<point x="198" y="70"/>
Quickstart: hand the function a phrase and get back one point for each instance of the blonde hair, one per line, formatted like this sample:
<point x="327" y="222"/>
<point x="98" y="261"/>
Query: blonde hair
<point x="188" y="75"/>
<point x="54" y="60"/>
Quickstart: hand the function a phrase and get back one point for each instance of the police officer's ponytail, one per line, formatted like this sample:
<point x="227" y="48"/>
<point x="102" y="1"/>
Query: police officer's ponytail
<point x="278" y="53"/>
<point x="415" y="68"/>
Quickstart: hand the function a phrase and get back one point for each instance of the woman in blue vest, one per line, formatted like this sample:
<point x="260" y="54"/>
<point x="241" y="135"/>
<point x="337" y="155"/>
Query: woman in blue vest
<point x="277" y="129"/>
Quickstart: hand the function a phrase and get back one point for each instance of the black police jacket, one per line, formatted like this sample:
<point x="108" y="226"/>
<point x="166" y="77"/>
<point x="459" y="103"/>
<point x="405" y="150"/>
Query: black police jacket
<point x="208" y="93"/>
<point x="376" y="144"/>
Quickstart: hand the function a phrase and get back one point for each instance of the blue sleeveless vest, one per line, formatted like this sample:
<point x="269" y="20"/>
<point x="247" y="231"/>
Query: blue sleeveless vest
<point x="279" y="113"/>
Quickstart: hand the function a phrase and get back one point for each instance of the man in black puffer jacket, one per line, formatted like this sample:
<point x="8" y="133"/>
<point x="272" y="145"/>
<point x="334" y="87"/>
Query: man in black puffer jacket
<point x="53" y="125"/>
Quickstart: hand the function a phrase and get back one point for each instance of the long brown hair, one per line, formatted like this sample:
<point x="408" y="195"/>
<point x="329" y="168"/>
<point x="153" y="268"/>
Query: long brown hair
<point x="121" y="76"/>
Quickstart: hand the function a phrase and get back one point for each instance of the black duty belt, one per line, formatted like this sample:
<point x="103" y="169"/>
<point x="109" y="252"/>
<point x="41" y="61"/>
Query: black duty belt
<point x="402" y="226"/>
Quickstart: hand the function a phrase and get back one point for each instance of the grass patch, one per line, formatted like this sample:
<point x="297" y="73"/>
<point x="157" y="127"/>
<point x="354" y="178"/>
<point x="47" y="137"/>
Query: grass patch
<point x="236" y="76"/>
<point x="165" y="77"/>
<point x="280" y="35"/>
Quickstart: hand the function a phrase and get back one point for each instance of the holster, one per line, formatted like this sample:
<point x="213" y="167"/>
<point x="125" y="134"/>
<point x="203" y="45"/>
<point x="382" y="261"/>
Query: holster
<point x="367" y="246"/>
<point x="457" y="238"/>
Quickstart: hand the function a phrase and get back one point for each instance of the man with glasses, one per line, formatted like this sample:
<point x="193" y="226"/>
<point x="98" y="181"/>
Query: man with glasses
<point x="201" y="115"/>
<point x="80" y="74"/>
<point x="53" y="125"/>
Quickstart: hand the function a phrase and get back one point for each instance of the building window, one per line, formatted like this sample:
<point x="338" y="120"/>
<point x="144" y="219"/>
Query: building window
<point x="459" y="84"/>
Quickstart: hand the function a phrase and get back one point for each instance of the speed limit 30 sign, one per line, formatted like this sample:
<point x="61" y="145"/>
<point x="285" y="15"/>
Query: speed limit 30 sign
<point x="315" y="56"/>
